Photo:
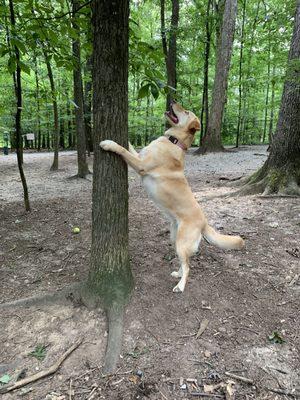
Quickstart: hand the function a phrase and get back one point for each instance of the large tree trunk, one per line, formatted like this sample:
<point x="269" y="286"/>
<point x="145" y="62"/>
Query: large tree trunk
<point x="170" y="49"/>
<point x="18" y="93"/>
<point x="110" y="278"/>
<point x="212" y="140"/>
<point x="281" y="172"/>
<point x="78" y="99"/>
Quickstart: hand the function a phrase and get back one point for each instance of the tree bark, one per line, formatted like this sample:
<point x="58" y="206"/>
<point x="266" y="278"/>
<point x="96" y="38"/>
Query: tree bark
<point x="281" y="172"/>
<point x="267" y="88"/>
<point x="88" y="105"/>
<point x="37" y="97"/>
<point x="204" y="108"/>
<point x="273" y="82"/>
<point x="240" y="75"/>
<point x="110" y="279"/>
<point x="55" y="137"/>
<point x="18" y="93"/>
<point x="78" y="99"/>
<point x="212" y="140"/>
<point x="170" y="49"/>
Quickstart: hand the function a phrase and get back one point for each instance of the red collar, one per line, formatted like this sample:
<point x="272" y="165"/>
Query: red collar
<point x="174" y="140"/>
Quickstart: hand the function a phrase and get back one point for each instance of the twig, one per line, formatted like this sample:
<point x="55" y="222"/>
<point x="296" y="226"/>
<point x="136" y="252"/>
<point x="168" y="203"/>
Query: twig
<point x="92" y="393"/>
<point x="211" y="396"/>
<point x="240" y="378"/>
<point x="284" y="392"/>
<point x="70" y="390"/>
<point x="41" y="374"/>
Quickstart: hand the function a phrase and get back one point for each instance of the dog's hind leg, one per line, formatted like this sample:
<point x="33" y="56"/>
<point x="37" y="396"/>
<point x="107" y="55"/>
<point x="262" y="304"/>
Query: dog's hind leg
<point x="173" y="230"/>
<point x="187" y="243"/>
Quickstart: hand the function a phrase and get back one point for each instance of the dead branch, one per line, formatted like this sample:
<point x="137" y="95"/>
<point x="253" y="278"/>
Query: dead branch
<point x="41" y="374"/>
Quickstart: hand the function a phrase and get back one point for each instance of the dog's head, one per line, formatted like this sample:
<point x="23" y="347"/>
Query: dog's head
<point x="182" y="119"/>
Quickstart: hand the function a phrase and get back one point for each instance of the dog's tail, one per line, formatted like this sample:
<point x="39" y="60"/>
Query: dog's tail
<point x="132" y="149"/>
<point x="225" y="242"/>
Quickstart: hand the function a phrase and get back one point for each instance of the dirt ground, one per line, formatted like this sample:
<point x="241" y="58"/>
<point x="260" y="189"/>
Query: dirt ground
<point x="245" y="295"/>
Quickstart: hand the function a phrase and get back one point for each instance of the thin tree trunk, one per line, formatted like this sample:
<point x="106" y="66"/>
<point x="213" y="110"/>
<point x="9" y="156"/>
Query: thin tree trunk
<point x="83" y="169"/>
<point x="54" y="166"/>
<point x="240" y="75"/>
<point x="248" y="72"/>
<point x="37" y="96"/>
<point x="170" y="50"/>
<point x="18" y="93"/>
<point x="212" y="140"/>
<point x="88" y="105"/>
<point x="272" y="107"/>
<point x="110" y="278"/>
<point x="204" y="108"/>
<point x="268" y="87"/>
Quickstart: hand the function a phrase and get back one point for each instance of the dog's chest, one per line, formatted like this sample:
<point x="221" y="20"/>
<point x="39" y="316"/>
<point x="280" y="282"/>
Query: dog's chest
<point x="150" y="185"/>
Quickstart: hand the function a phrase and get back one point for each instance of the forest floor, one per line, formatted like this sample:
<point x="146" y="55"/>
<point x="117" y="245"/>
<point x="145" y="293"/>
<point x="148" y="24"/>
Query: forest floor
<point x="245" y="296"/>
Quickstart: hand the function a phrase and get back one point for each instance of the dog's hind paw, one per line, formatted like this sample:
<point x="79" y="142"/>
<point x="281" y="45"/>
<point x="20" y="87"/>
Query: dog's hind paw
<point x="176" y="274"/>
<point x="178" y="288"/>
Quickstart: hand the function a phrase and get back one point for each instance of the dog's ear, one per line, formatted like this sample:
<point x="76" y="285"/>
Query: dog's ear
<point x="194" y="126"/>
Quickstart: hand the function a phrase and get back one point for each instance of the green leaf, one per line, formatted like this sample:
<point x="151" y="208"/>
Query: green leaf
<point x="154" y="91"/>
<point x="19" y="44"/>
<point x="24" y="67"/>
<point x="5" y="379"/>
<point x="144" y="91"/>
<point x="276" y="338"/>
<point x="39" y="352"/>
<point x="11" y="64"/>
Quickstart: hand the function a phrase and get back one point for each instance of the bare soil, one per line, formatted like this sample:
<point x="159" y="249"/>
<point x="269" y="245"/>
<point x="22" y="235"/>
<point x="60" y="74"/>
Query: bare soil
<point x="246" y="296"/>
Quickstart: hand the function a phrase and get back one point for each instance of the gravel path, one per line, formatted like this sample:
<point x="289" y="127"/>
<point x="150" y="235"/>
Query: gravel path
<point x="44" y="184"/>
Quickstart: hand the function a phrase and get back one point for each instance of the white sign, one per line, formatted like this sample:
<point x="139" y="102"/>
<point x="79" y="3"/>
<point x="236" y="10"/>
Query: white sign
<point x="30" y="136"/>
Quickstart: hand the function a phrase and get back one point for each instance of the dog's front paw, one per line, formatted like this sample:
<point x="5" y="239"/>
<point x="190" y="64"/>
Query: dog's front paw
<point x="109" y="145"/>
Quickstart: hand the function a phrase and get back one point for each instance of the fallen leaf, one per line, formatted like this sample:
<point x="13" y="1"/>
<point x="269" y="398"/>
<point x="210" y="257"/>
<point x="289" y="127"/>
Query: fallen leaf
<point x="207" y="354"/>
<point x="230" y="390"/>
<point x="203" y="326"/>
<point x="5" y="379"/>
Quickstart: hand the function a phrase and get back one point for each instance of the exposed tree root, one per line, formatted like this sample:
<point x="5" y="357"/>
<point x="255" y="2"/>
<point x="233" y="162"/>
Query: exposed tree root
<point x="71" y="294"/>
<point x="77" y="294"/>
<point x="115" y="315"/>
<point x="268" y="182"/>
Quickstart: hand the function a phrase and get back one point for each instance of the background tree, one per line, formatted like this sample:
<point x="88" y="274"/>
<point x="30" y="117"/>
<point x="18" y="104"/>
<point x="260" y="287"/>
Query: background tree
<point x="110" y="279"/>
<point x="18" y="93"/>
<point x="83" y="169"/>
<point x="170" y="47"/>
<point x="281" y="172"/>
<point x="212" y="139"/>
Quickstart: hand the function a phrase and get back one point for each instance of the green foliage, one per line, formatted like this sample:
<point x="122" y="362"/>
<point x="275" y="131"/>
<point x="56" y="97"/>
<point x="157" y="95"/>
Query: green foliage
<point x="39" y="352"/>
<point x="276" y="338"/>
<point x="46" y="28"/>
<point x="4" y="379"/>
